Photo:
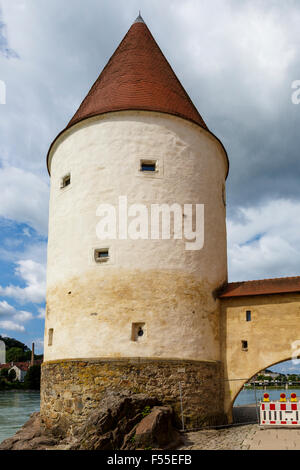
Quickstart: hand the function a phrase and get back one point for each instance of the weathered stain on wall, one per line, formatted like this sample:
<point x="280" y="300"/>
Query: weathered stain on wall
<point x="93" y="316"/>
<point x="91" y="306"/>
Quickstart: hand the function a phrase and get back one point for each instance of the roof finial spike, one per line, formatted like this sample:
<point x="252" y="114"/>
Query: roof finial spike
<point x="139" y="18"/>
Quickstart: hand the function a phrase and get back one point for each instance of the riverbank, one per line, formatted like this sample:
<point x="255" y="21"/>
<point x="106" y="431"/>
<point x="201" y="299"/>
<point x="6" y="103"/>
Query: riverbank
<point x="34" y="436"/>
<point x="246" y="437"/>
<point x="12" y="386"/>
<point x="249" y="436"/>
<point x="16" y="406"/>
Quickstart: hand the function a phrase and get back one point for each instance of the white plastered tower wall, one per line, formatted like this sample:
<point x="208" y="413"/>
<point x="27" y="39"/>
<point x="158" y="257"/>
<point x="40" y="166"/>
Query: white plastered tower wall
<point x="91" y="306"/>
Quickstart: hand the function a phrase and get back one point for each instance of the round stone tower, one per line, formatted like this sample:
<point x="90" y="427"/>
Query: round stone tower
<point x="135" y="309"/>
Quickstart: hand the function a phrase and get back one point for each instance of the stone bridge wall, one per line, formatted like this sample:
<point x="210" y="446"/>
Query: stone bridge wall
<point x="274" y="326"/>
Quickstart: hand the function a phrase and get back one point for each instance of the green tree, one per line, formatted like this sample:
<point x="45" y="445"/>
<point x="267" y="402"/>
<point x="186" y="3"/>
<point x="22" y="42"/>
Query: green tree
<point x="17" y="351"/>
<point x="3" y="384"/>
<point x="12" y="375"/>
<point x="33" y="378"/>
<point x="15" y="355"/>
<point x="260" y="377"/>
<point x="13" y="343"/>
<point x="4" y="373"/>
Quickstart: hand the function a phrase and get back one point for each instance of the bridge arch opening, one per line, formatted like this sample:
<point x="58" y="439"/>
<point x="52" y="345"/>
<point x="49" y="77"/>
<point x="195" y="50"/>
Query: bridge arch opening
<point x="278" y="377"/>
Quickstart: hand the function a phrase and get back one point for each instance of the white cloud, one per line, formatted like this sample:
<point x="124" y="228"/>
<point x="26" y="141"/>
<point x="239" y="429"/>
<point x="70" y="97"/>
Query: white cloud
<point x="5" y="308"/>
<point x="12" y="251"/>
<point x="26" y="232"/>
<point x="24" y="198"/>
<point x="243" y="48"/>
<point x="42" y="313"/>
<point x="23" y="316"/>
<point x="13" y="319"/>
<point x="34" y="276"/>
<point x="287" y="367"/>
<point x="39" y="345"/>
<point x="264" y="241"/>
<point x="11" y="326"/>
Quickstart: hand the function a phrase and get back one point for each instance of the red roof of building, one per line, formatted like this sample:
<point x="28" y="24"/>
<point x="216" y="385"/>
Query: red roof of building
<point x="137" y="77"/>
<point x="282" y="285"/>
<point x="21" y="365"/>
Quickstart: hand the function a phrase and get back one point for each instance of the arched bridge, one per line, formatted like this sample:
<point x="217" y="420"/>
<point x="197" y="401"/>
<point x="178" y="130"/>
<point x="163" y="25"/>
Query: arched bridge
<point x="260" y="327"/>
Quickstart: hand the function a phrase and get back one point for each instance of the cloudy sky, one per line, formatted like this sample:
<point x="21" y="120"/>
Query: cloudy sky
<point x="236" y="59"/>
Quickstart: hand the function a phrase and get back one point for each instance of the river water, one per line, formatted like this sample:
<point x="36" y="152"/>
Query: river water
<point x="247" y="397"/>
<point x="15" y="409"/>
<point x="16" y="406"/>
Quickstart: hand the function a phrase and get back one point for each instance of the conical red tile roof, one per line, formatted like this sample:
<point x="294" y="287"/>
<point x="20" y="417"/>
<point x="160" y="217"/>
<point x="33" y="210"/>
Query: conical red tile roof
<point x="138" y="77"/>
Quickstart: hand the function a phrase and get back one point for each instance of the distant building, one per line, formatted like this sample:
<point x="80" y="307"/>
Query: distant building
<point x="269" y="373"/>
<point x="2" y="353"/>
<point x="21" y="369"/>
<point x="265" y="373"/>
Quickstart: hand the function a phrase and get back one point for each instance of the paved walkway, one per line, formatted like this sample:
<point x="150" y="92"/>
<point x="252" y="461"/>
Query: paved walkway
<point x="249" y="437"/>
<point x="274" y="439"/>
<point x="219" y="439"/>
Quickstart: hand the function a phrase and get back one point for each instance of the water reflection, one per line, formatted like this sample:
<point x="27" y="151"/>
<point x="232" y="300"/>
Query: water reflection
<point x="247" y="397"/>
<point x="15" y="409"/>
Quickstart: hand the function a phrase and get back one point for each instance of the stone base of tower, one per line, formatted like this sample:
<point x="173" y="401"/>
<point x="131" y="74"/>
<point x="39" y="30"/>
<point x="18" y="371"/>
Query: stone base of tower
<point x="71" y="389"/>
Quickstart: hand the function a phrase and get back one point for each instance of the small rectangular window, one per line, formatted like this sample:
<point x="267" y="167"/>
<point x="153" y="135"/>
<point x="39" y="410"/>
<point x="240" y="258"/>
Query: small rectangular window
<point x="248" y="315"/>
<point x="137" y="331"/>
<point x="148" y="165"/>
<point x="66" y="181"/>
<point x="244" y="345"/>
<point x="102" y="255"/>
<point x="50" y="337"/>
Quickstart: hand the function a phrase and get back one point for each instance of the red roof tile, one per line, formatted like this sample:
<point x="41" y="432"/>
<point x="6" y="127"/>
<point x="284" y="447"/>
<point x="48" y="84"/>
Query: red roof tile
<point x="138" y="76"/>
<point x="21" y="365"/>
<point x="282" y="285"/>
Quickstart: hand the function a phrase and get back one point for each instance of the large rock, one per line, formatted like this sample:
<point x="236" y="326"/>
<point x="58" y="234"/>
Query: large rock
<point x="32" y="436"/>
<point x="155" y="431"/>
<point x="120" y="423"/>
<point x="105" y="428"/>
